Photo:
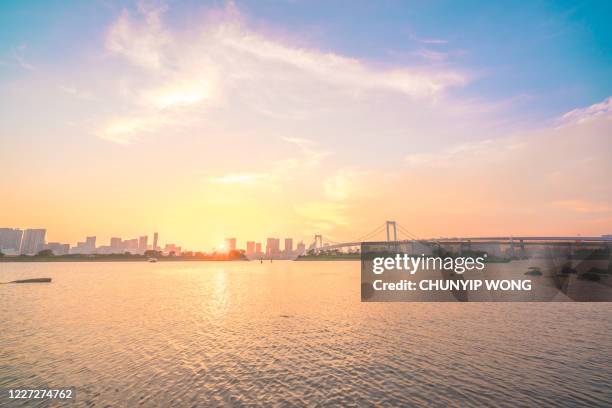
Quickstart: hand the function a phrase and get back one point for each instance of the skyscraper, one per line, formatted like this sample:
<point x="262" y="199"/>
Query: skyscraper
<point x="258" y="248"/>
<point x="155" y="236"/>
<point x="10" y="240"/>
<point x="131" y="245"/>
<point x="90" y="244"/>
<point x="250" y="247"/>
<point x="288" y="245"/>
<point x="33" y="241"/>
<point x="301" y="248"/>
<point x="272" y="246"/>
<point x="142" y="243"/>
<point x="116" y="245"/>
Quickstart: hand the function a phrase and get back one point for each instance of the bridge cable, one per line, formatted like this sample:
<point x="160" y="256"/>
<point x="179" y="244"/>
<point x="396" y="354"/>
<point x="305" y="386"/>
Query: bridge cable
<point x="372" y="233"/>
<point x="406" y="232"/>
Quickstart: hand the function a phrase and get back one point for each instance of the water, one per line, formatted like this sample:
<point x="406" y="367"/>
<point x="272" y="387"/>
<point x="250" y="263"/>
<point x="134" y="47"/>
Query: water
<point x="208" y="333"/>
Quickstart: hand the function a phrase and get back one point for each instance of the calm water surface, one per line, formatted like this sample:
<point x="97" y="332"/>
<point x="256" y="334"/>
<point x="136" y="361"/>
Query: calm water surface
<point x="207" y="333"/>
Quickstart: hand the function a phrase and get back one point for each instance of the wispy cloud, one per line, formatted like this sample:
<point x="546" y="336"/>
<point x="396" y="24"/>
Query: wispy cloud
<point x="77" y="93"/>
<point x="141" y="41"/>
<point x="321" y="215"/>
<point x="282" y="172"/>
<point x="581" y="115"/>
<point x="126" y="130"/>
<point x="433" y="41"/>
<point x="17" y="58"/>
<point x="224" y="64"/>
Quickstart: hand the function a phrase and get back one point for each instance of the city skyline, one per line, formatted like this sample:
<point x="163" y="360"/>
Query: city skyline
<point x="29" y="241"/>
<point x="214" y="119"/>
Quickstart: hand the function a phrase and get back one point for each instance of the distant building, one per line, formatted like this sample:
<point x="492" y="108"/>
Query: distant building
<point x="258" y="248"/>
<point x="155" y="237"/>
<point x="33" y="241"/>
<point x="301" y="248"/>
<point x="250" y="247"/>
<point x="171" y="249"/>
<point x="57" y="248"/>
<point x="272" y="247"/>
<point x="131" y="246"/>
<point x="142" y="243"/>
<point x="86" y="247"/>
<point x="288" y="245"/>
<point x="230" y="244"/>
<point x="10" y="241"/>
<point x="90" y="243"/>
<point x="116" y="245"/>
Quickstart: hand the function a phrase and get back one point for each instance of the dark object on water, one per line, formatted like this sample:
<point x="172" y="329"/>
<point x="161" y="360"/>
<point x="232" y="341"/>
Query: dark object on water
<point x="590" y="276"/>
<point x="566" y="270"/>
<point x="600" y="271"/>
<point x="35" y="280"/>
<point x="534" y="271"/>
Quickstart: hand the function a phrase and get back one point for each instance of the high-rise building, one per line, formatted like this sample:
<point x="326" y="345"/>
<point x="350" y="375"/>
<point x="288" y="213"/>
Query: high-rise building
<point x="301" y="248"/>
<point x="142" y="243"/>
<point x="131" y="245"/>
<point x="258" y="248"/>
<point x="230" y="244"/>
<point x="90" y="243"/>
<point x="272" y="246"/>
<point x="33" y="241"/>
<point x="288" y="245"/>
<point x="250" y="247"/>
<point x="155" y="236"/>
<point x="10" y="240"/>
<point x="116" y="245"/>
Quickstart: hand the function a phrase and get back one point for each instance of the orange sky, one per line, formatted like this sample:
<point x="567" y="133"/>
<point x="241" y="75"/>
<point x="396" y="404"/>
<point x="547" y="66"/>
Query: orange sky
<point x="220" y="130"/>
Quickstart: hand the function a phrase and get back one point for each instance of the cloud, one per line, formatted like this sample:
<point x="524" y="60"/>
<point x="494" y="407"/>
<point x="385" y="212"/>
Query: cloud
<point x="435" y="56"/>
<point x="125" y="130"/>
<point x="224" y="65"/>
<point x="348" y="184"/>
<point x="321" y="215"/>
<point x="581" y="115"/>
<point x="554" y="179"/>
<point x="77" y="93"/>
<point x="433" y="41"/>
<point x="340" y="70"/>
<point x="281" y="173"/>
<point x="16" y="58"/>
<point x="482" y="150"/>
<point x="140" y="41"/>
<point x="583" y="126"/>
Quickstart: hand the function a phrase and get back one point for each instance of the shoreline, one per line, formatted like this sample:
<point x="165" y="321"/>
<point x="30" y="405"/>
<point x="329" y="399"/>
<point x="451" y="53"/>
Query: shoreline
<point x="34" y="259"/>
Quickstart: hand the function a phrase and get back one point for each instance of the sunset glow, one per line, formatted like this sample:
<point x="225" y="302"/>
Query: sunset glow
<point x="232" y="122"/>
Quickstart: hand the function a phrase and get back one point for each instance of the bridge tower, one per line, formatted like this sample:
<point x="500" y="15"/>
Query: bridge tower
<point x="394" y="226"/>
<point x="318" y="241"/>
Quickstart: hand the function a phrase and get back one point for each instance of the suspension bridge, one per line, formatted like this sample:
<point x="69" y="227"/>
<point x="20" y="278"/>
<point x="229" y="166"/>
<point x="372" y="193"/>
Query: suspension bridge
<point x="398" y="234"/>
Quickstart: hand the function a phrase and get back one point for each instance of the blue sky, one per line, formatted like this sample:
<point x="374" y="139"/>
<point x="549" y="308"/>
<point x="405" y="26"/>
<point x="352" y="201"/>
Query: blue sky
<point x="555" y="55"/>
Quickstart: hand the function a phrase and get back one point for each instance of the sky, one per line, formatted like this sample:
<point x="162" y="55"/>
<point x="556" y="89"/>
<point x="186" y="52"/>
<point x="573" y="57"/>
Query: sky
<point x="207" y="120"/>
